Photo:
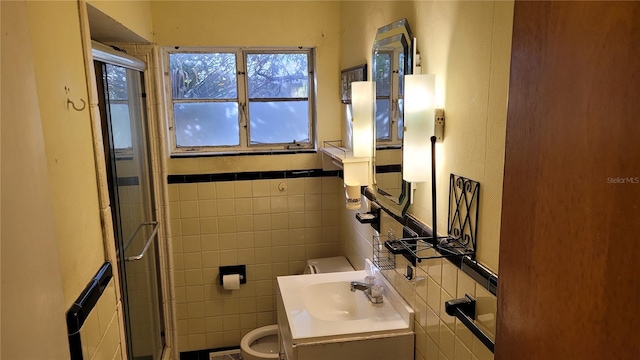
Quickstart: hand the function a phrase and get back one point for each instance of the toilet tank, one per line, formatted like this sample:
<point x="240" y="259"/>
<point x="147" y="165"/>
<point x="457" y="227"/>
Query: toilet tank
<point x="328" y="265"/>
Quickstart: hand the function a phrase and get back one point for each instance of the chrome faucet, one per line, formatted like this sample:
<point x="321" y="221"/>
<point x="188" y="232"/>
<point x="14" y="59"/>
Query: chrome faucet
<point x="357" y="285"/>
<point x="372" y="291"/>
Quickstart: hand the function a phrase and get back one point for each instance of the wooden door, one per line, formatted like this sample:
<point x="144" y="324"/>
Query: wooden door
<point x="569" y="283"/>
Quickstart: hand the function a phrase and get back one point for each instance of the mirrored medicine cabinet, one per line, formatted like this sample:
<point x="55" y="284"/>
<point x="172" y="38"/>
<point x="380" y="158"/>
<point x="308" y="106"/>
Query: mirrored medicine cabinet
<point x="392" y="59"/>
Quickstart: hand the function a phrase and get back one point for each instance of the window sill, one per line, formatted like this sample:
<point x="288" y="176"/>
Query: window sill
<point x="389" y="147"/>
<point x="243" y="153"/>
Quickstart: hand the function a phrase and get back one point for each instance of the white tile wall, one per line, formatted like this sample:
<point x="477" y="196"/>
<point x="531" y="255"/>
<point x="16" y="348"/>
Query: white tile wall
<point x="255" y="223"/>
<point x="438" y="335"/>
<point x="100" y="333"/>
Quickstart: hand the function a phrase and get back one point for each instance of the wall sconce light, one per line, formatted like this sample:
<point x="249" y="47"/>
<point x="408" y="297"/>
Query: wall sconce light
<point x="358" y="172"/>
<point x="418" y="126"/>
<point x="363" y="94"/>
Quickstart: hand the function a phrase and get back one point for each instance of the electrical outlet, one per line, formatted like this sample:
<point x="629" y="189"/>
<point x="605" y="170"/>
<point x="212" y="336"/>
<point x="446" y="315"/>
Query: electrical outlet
<point x="439" y="124"/>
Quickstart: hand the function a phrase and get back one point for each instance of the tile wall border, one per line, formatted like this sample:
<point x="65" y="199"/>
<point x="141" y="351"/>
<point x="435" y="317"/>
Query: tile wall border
<point x="414" y="227"/>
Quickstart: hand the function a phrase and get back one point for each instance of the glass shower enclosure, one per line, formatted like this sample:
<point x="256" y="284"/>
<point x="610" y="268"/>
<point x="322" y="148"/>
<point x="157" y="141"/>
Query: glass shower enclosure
<point x="135" y="224"/>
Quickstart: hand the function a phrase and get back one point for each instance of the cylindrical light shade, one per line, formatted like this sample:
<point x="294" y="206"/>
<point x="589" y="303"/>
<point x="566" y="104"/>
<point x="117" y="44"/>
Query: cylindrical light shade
<point x="363" y="94"/>
<point x="419" y="93"/>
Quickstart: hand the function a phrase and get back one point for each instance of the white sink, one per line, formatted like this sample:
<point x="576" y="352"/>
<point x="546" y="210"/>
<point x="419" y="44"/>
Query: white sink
<point x="321" y="307"/>
<point x="334" y="301"/>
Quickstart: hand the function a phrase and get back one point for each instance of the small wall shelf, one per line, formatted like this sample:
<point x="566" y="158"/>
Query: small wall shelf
<point x="422" y="248"/>
<point x="334" y="156"/>
<point x="382" y="257"/>
<point x="356" y="170"/>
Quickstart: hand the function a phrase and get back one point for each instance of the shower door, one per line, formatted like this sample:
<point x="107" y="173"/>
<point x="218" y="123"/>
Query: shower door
<point x="131" y="194"/>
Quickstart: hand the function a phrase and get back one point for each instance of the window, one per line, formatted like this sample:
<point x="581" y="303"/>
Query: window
<point x="118" y="95"/>
<point x="241" y="100"/>
<point x="389" y="99"/>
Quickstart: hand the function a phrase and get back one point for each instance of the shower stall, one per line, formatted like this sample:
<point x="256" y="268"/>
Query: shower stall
<point x="121" y="94"/>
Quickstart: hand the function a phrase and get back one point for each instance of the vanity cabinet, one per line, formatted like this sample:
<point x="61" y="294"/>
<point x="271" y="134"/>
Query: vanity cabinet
<point x="359" y="331"/>
<point x="397" y="346"/>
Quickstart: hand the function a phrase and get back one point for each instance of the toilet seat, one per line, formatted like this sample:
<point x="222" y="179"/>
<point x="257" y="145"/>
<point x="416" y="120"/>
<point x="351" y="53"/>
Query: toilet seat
<point x="314" y="266"/>
<point x="252" y="336"/>
<point x="327" y="265"/>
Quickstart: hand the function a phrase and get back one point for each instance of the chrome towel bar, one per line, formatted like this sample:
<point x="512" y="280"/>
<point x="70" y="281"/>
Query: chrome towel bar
<point x="156" y="225"/>
<point x="465" y="310"/>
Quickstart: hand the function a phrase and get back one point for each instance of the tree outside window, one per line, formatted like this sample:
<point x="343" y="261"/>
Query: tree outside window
<point x="242" y="100"/>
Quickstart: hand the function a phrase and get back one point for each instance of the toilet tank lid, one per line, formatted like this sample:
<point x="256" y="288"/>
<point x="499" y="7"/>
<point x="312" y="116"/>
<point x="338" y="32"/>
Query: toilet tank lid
<point x="328" y="265"/>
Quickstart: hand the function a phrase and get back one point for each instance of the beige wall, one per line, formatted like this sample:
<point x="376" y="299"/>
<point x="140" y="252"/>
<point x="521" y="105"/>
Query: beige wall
<point x="33" y="306"/>
<point x="467" y="45"/>
<point x="438" y="335"/>
<point x="360" y="21"/>
<point x="68" y="141"/>
<point x="75" y="233"/>
<point x="135" y="15"/>
<point x="253" y="223"/>
<point x="52" y="238"/>
<point x="273" y="232"/>
<point x="261" y="23"/>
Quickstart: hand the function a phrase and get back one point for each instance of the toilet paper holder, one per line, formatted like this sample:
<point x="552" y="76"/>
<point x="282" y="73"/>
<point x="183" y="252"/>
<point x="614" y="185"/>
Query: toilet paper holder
<point x="234" y="269"/>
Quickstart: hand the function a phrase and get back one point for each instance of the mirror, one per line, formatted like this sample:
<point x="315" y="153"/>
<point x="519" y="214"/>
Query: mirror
<point x="392" y="58"/>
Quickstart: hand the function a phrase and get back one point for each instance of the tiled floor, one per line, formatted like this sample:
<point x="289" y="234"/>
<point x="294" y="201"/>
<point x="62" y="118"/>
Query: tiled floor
<point x="226" y="355"/>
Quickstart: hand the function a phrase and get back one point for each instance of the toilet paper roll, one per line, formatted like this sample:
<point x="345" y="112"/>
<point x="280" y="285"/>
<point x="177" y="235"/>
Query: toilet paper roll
<point x="231" y="282"/>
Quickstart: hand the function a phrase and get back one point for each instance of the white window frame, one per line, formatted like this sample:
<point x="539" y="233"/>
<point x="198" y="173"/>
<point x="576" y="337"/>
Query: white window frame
<point x="243" y="103"/>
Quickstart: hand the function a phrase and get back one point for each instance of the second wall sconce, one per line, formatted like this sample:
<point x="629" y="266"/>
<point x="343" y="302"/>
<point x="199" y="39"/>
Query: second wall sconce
<point x="419" y="124"/>
<point x="363" y="94"/>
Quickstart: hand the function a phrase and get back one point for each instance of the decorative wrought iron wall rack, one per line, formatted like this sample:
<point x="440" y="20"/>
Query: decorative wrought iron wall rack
<point x="462" y="227"/>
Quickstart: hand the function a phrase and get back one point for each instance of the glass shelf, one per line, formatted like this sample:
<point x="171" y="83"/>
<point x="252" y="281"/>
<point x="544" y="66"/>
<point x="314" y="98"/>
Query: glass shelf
<point x="382" y="257"/>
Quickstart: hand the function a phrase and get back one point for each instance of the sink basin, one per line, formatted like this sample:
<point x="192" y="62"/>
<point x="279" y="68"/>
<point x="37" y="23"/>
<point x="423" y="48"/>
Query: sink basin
<point x="334" y="301"/>
<point x="321" y="306"/>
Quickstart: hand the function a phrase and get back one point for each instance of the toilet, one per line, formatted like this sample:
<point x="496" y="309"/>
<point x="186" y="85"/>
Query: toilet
<point x="262" y="343"/>
<point x="328" y="265"/>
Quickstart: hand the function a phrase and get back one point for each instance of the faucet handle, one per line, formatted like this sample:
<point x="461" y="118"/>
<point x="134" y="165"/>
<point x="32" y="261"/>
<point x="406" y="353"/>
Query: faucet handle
<point x="376" y="291"/>
<point x="369" y="280"/>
